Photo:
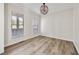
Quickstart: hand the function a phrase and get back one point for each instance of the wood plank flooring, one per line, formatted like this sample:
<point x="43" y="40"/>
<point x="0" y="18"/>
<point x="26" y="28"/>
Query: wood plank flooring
<point x="42" y="45"/>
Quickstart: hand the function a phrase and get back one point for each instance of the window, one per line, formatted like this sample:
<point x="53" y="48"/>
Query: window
<point x="20" y="19"/>
<point x="14" y="22"/>
<point x="17" y="25"/>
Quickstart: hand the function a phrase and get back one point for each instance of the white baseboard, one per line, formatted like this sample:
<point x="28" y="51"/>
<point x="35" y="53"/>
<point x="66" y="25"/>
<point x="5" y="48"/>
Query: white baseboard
<point x="57" y="37"/>
<point x="19" y="40"/>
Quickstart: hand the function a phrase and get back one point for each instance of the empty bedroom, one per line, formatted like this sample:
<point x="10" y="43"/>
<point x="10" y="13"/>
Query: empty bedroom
<point x="40" y="29"/>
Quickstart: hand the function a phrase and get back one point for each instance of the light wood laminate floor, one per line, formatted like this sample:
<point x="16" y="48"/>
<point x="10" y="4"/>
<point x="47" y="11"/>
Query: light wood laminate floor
<point x="42" y="45"/>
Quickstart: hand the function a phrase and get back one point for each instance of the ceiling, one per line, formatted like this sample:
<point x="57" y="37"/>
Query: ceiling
<point x="53" y="7"/>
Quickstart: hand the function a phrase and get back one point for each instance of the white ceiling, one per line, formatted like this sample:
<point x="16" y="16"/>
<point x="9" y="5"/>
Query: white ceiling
<point x="53" y="7"/>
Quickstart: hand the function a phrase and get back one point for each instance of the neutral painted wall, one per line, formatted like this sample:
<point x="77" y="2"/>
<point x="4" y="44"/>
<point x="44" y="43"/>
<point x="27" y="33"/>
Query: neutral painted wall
<point x="28" y="16"/>
<point x="58" y="25"/>
<point x="62" y="25"/>
<point x="1" y="28"/>
<point x="76" y="26"/>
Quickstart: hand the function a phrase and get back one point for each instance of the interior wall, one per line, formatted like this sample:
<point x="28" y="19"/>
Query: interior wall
<point x="28" y="28"/>
<point x="62" y="25"/>
<point x="76" y="26"/>
<point x="58" y="25"/>
<point x="1" y="28"/>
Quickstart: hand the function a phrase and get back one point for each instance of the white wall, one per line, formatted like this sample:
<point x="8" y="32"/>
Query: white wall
<point x="76" y="27"/>
<point x="58" y="25"/>
<point x="1" y="28"/>
<point x="28" y="16"/>
<point x="62" y="25"/>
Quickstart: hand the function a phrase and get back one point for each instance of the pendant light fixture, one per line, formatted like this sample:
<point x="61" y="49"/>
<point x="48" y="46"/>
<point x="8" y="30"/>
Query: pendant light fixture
<point x="44" y="9"/>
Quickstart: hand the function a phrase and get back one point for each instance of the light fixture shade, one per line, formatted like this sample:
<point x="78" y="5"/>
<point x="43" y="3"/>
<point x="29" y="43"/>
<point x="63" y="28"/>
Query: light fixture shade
<point x="44" y="9"/>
